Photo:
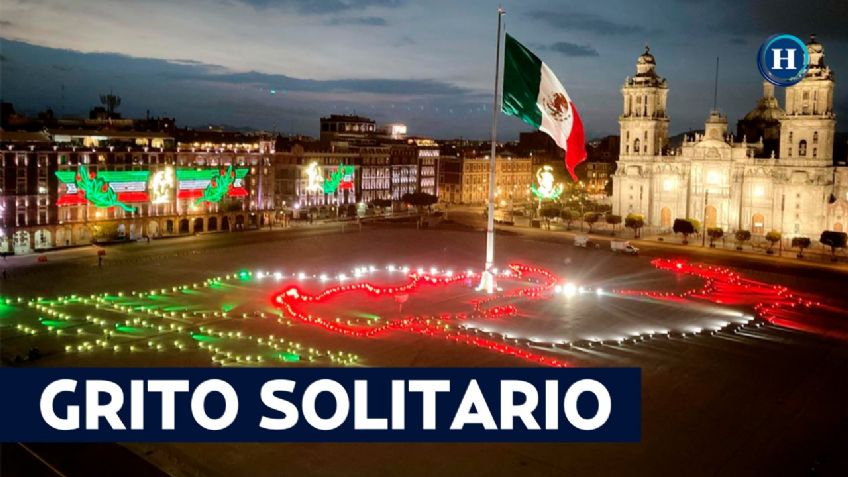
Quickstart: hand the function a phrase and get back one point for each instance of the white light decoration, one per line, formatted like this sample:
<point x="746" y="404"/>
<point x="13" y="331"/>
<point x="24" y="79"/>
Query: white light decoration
<point x="315" y="180"/>
<point x="162" y="186"/>
<point x="546" y="189"/>
<point x="713" y="177"/>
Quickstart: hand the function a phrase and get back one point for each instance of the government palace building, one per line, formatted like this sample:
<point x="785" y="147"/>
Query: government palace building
<point x="776" y="173"/>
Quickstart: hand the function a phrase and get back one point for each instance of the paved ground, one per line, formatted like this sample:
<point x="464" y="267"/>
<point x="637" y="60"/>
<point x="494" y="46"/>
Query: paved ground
<point x="761" y="400"/>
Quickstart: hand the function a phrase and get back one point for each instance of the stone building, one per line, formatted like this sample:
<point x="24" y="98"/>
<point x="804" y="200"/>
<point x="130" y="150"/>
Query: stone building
<point x="733" y="182"/>
<point x="466" y="180"/>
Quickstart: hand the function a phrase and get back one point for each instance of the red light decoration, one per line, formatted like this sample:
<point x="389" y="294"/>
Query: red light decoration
<point x="776" y="304"/>
<point x="290" y="299"/>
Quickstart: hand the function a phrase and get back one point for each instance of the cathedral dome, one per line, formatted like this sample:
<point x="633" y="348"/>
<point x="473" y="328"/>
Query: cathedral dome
<point x="767" y="109"/>
<point x="646" y="58"/>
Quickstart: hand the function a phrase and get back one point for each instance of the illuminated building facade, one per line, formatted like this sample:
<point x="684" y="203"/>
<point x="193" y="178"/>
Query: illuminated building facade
<point x="63" y="187"/>
<point x="747" y="183"/>
<point x="58" y="192"/>
<point x="466" y="180"/>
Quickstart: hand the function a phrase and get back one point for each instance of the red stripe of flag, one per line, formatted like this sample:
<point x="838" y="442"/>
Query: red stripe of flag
<point x="575" y="152"/>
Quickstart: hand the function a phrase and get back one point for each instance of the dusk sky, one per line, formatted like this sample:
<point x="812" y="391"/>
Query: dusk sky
<point x="281" y="64"/>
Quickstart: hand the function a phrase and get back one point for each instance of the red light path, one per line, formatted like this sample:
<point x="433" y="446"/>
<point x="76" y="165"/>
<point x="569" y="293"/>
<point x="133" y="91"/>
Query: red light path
<point x="292" y="297"/>
<point x="776" y="304"/>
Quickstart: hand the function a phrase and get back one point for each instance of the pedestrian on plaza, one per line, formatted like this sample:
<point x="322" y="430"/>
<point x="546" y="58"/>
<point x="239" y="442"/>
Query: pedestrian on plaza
<point x="100" y="261"/>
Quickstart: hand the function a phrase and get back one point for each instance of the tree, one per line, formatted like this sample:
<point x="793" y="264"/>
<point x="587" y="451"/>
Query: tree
<point x="800" y="243"/>
<point x="696" y="224"/>
<point x="635" y="222"/>
<point x="613" y="220"/>
<point x="834" y="240"/>
<point x="569" y="217"/>
<point x="351" y="210"/>
<point x="548" y="212"/>
<point x="684" y="227"/>
<point x="420" y="199"/>
<point x="590" y="218"/>
<point x="773" y="237"/>
<point x="742" y="236"/>
<point x="714" y="233"/>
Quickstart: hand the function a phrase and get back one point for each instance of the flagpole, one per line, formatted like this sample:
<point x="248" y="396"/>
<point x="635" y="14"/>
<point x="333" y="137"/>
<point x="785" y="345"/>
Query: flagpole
<point x="487" y="279"/>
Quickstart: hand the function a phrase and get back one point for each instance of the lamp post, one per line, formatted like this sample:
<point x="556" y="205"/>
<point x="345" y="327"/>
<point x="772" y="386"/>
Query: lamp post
<point x="704" y="225"/>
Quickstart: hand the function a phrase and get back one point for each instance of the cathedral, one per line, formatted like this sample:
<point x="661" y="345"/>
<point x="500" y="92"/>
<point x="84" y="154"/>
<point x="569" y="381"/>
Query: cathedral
<point x="776" y="173"/>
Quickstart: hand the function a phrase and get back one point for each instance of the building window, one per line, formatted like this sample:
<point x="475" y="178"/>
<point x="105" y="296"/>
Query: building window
<point x="815" y="137"/>
<point x="802" y="148"/>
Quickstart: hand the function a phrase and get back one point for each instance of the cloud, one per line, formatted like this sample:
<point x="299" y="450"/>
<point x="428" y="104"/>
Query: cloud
<point x="358" y="21"/>
<point x="404" y="41"/>
<point x="187" y="70"/>
<point x="566" y="19"/>
<point x="824" y="17"/>
<point x="322" y="7"/>
<point x="571" y="49"/>
<point x="283" y="83"/>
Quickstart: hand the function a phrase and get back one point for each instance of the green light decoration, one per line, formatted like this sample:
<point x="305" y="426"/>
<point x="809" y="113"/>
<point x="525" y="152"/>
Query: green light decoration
<point x="341" y="178"/>
<point x="97" y="190"/>
<point x="204" y="338"/>
<point x="289" y="357"/>
<point x="546" y="189"/>
<point x="218" y="186"/>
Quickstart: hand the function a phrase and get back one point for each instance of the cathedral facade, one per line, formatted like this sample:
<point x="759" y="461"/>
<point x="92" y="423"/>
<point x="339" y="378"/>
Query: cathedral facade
<point x="776" y="174"/>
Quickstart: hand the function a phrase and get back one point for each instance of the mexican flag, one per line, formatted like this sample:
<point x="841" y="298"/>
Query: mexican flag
<point x="533" y="93"/>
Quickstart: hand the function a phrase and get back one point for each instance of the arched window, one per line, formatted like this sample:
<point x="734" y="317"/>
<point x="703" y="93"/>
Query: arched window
<point x="802" y="148"/>
<point x="758" y="224"/>
<point x="815" y="137"/>
<point x="665" y="217"/>
<point x="636" y="145"/>
<point x="815" y="152"/>
<point x="790" y="136"/>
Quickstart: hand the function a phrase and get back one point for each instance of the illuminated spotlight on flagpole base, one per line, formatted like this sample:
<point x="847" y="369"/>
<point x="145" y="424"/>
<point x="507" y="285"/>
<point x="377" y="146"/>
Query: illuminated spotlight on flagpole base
<point x="488" y="283"/>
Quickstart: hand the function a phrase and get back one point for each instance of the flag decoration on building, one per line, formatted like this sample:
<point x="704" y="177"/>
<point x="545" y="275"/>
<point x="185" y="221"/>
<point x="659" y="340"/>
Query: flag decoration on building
<point x="102" y="189"/>
<point x="532" y="93"/>
<point x="340" y="179"/>
<point x="194" y="183"/>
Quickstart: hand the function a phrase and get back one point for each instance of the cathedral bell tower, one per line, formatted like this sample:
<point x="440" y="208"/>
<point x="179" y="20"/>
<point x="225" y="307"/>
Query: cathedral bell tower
<point x="807" y="129"/>
<point x="644" y="123"/>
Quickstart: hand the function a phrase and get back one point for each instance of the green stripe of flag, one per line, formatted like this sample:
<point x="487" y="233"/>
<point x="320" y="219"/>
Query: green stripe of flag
<point x="521" y="78"/>
<point x="195" y="174"/>
<point x="69" y="177"/>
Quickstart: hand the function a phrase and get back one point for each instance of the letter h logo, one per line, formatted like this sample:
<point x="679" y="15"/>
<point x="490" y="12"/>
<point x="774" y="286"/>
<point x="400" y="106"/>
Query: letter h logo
<point x="778" y="59"/>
